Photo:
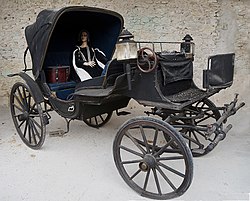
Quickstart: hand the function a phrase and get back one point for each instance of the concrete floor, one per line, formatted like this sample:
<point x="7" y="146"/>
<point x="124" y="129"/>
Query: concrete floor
<point x="80" y="166"/>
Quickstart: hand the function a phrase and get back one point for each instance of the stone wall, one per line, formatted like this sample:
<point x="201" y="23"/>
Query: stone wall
<point x="217" y="26"/>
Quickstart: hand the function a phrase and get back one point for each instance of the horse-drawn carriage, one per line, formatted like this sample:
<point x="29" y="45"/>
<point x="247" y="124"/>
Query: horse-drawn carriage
<point x="152" y="154"/>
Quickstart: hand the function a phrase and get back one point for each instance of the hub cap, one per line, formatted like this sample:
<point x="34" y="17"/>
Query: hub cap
<point x="148" y="162"/>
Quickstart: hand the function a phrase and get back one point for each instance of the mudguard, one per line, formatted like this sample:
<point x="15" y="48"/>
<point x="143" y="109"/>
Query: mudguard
<point x="36" y="91"/>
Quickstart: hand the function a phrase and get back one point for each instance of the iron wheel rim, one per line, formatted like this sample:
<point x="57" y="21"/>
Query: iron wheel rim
<point x="156" y="170"/>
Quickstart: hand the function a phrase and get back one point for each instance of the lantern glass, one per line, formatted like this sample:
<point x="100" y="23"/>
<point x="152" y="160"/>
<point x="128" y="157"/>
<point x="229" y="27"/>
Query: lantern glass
<point x="126" y="50"/>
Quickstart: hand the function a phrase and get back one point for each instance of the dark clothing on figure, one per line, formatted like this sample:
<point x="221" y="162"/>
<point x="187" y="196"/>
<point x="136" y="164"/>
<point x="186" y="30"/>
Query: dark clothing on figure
<point x="81" y="56"/>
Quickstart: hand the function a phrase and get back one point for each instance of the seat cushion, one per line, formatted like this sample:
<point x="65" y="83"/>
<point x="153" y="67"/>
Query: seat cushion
<point x="62" y="86"/>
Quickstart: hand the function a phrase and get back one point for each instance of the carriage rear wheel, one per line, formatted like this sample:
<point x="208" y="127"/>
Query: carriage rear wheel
<point x="27" y="116"/>
<point x="199" y="114"/>
<point x="147" y="162"/>
<point x="99" y="120"/>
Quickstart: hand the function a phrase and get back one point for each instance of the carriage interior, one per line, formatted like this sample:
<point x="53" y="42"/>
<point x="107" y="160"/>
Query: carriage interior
<point x="63" y="41"/>
<point x="174" y="72"/>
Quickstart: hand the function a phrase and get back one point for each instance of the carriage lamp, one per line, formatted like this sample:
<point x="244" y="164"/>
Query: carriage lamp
<point x="126" y="47"/>
<point x="187" y="46"/>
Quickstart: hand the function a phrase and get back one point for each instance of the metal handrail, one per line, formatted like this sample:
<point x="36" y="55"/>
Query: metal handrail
<point x="161" y="44"/>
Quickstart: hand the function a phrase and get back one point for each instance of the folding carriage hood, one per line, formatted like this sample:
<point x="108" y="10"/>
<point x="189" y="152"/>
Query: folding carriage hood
<point x="57" y="30"/>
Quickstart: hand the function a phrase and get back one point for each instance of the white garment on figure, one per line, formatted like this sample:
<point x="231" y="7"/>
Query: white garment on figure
<point x="83" y="75"/>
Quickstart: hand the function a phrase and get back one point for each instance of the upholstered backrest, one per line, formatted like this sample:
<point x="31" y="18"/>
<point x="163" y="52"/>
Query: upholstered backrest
<point x="220" y="70"/>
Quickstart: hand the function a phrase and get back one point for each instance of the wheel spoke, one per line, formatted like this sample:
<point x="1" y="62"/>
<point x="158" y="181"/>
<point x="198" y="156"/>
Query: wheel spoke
<point x="203" y="119"/>
<point x="32" y="108"/>
<point x="25" y="129"/>
<point x="155" y="140"/>
<point x="19" y="92"/>
<point x="96" y="122"/>
<point x="35" y="130"/>
<point x="195" y="136"/>
<point x="202" y="106"/>
<point x="37" y="124"/>
<point x="29" y="133"/>
<point x="200" y="133"/>
<point x="135" y="174"/>
<point x="146" y="180"/>
<point x="25" y="98"/>
<point x="166" y="178"/>
<point x="20" y="109"/>
<point x="101" y="118"/>
<point x="29" y="101"/>
<point x="131" y="151"/>
<point x="162" y="149"/>
<point x="144" y="139"/>
<point x="18" y="100"/>
<point x="157" y="181"/>
<point x="170" y="158"/>
<point x="131" y="162"/>
<point x="21" y="124"/>
<point x="171" y="170"/>
<point x="134" y="141"/>
<point x="20" y="95"/>
<point x="190" y="139"/>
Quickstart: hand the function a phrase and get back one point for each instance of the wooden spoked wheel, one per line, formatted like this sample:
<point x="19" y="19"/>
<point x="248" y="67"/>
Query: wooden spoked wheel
<point x="27" y="115"/>
<point x="147" y="162"/>
<point x="188" y="122"/>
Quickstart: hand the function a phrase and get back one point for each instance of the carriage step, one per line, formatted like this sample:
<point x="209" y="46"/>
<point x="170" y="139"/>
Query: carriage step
<point x="122" y="113"/>
<point x="198" y="151"/>
<point x="57" y="133"/>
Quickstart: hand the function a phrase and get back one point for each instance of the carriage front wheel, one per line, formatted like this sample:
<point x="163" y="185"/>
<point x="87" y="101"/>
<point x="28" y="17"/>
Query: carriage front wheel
<point x="27" y="116"/>
<point x="148" y="163"/>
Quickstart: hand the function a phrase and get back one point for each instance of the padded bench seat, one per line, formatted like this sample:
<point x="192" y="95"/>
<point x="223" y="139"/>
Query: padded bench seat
<point x="62" y="85"/>
<point x="63" y="90"/>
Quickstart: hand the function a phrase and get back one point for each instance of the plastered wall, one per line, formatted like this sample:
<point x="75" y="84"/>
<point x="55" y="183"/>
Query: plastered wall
<point x="217" y="26"/>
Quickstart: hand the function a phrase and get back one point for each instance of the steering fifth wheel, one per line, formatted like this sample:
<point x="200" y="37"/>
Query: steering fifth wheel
<point x="146" y="60"/>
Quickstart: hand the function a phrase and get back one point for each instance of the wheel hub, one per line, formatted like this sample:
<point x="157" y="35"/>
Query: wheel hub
<point x="23" y="116"/>
<point x="148" y="162"/>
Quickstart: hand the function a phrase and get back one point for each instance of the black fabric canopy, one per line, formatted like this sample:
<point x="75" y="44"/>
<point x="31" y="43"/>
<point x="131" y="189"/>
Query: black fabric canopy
<point x="57" y="31"/>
